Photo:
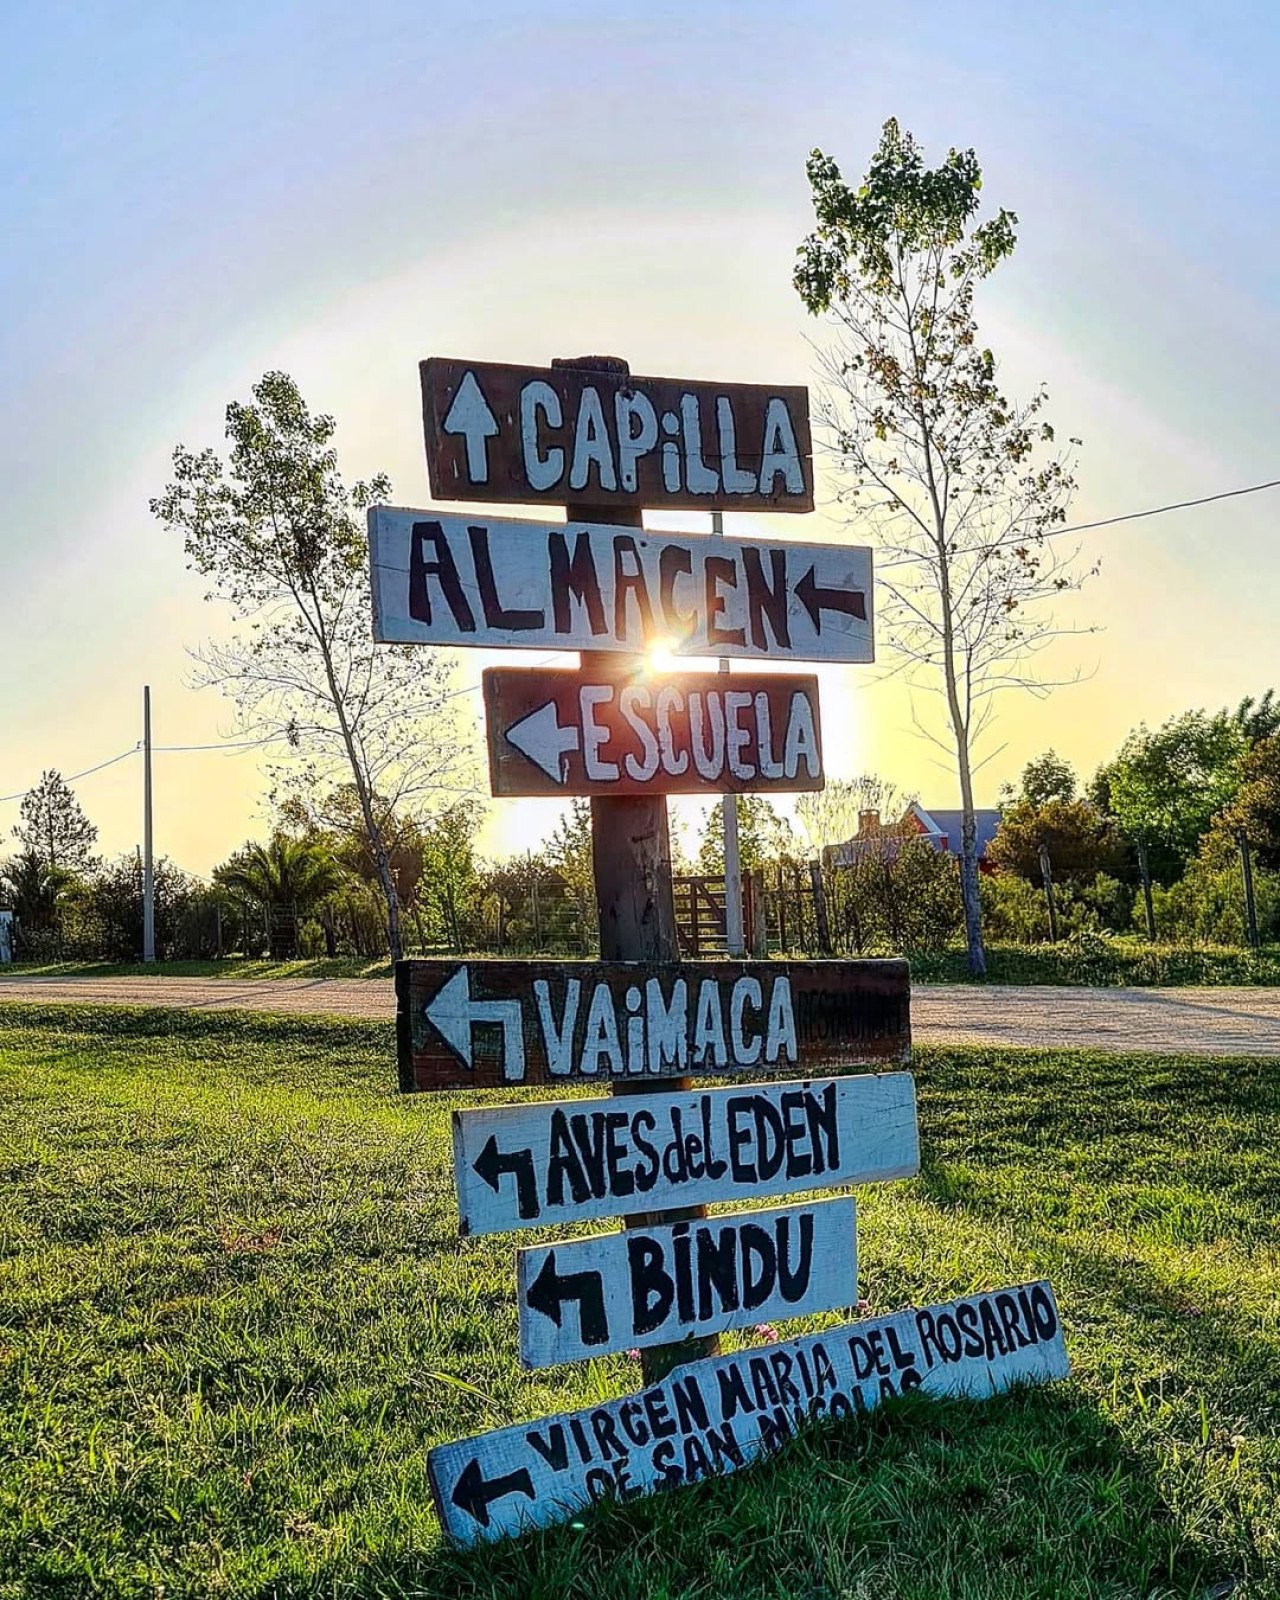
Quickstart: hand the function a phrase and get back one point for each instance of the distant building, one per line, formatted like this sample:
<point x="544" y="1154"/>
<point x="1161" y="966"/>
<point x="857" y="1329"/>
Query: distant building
<point x="940" y="828"/>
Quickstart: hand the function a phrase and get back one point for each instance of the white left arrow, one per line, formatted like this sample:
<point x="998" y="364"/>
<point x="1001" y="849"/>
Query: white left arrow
<point x="451" y="1012"/>
<point x="540" y="737"/>
<point x="470" y="416"/>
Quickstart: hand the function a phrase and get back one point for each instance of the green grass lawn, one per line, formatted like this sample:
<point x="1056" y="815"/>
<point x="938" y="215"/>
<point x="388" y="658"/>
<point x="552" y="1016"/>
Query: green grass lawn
<point x="235" y="1313"/>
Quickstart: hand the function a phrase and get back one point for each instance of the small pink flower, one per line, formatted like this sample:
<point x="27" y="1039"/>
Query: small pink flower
<point x="767" y="1332"/>
<point x="633" y="1355"/>
<point x="862" y="1305"/>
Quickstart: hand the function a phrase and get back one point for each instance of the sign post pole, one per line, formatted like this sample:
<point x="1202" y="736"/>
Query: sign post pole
<point x="733" y="939"/>
<point x="635" y="901"/>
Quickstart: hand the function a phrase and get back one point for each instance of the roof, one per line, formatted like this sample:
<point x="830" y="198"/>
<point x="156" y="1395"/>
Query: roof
<point x="947" y="825"/>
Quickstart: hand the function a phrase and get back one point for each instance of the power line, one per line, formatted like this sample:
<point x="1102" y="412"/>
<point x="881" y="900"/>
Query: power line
<point x="1177" y="505"/>
<point x="76" y="776"/>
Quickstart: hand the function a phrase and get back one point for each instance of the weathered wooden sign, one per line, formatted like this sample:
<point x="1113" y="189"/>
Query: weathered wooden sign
<point x="719" y="1415"/>
<point x="531" y="1165"/>
<point x="688" y="733"/>
<point x="481" y="1024"/>
<point x="455" y="580"/>
<point x="659" y="1285"/>
<point x="499" y="433"/>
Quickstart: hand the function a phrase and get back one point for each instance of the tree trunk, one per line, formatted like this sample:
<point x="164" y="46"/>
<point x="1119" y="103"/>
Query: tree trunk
<point x="969" y="867"/>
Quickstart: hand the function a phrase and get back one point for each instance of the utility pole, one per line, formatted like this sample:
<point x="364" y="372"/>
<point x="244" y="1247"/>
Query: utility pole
<point x="148" y="876"/>
<point x="733" y="934"/>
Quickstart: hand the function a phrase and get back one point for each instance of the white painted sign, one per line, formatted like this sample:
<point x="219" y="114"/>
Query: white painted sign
<point x="659" y="1285"/>
<point x="719" y="1415"/>
<point x="460" y="580"/>
<point x="532" y="1165"/>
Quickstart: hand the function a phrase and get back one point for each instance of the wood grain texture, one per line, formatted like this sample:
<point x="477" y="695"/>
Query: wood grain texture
<point x="485" y="1024"/>
<point x="717" y="1416"/>
<point x="570" y="1161"/>
<point x="497" y="432"/>
<point x="587" y="733"/>
<point x="439" y="578"/>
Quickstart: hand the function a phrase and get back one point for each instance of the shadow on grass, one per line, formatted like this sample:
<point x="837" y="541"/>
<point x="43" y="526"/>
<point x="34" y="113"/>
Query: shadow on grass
<point x="1028" y="1494"/>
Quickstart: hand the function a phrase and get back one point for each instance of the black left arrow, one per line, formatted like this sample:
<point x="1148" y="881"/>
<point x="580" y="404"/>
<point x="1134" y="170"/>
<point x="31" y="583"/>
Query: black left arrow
<point x="816" y="599"/>
<point x="550" y="1289"/>
<point x="491" y="1163"/>
<point x="474" y="1493"/>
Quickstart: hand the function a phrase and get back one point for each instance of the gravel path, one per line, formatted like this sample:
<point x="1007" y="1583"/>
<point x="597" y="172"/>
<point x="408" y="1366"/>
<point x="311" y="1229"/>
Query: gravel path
<point x="1201" y="1021"/>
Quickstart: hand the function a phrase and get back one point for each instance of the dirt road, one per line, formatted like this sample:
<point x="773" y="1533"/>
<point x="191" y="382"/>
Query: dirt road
<point x="1202" y="1021"/>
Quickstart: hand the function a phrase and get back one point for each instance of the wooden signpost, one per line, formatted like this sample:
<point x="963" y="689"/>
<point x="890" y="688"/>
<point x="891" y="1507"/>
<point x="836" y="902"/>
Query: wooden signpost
<point x="580" y="733"/>
<point x="718" y="1416"/>
<point x="527" y="1166"/>
<point x="490" y="1024"/>
<point x="563" y="433"/>
<point x="658" y="1285"/>
<point x="591" y="438"/>
<point x="589" y="585"/>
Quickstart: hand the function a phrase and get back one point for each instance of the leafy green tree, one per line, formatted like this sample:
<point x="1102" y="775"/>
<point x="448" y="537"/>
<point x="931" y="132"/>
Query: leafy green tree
<point x="764" y="837"/>
<point x="1046" y="778"/>
<point x="1166" y="786"/>
<point x="1258" y="719"/>
<point x="54" y="828"/>
<point x="570" y="852"/>
<point x="1255" y="810"/>
<point x="961" y="486"/>
<point x="109" y="911"/>
<point x="282" y="538"/>
<point x="293" y="875"/>
<point x="1082" y="841"/>
<point x="449" y="879"/>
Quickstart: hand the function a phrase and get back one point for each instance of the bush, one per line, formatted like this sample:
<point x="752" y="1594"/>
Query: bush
<point x="899" y="895"/>
<point x="1015" y="910"/>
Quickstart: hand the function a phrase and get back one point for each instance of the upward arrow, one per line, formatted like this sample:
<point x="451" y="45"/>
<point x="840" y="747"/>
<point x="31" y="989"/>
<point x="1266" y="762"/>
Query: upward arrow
<point x="451" y="1012"/>
<point x="474" y="1493"/>
<point x="470" y="416"/>
<point x="541" y="739"/>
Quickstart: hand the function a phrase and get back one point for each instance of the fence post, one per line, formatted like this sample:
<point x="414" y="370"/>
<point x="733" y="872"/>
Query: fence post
<point x="1046" y="872"/>
<point x="1250" y="905"/>
<point x="1144" y="872"/>
<point x="782" y="910"/>
<point x="820" y="918"/>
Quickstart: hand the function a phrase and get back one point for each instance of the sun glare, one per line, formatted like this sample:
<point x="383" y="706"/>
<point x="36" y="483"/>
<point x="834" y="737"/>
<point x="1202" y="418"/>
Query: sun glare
<point x="660" y="657"/>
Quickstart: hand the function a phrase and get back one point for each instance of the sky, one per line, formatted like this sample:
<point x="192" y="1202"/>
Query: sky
<point x="195" y="196"/>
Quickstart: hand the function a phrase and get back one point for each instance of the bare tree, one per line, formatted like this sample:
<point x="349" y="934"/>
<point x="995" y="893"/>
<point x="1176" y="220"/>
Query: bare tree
<point x="283" y="539"/>
<point x="961" y="487"/>
<point x="830" y="815"/>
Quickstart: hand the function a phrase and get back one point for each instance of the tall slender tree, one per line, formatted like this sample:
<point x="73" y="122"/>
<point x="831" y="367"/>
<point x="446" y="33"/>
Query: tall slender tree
<point x="282" y="537"/>
<point x="54" y="829"/>
<point x="961" y="487"/>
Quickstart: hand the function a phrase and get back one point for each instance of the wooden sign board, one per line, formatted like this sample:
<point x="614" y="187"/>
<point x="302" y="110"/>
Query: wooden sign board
<point x="532" y="1165"/>
<point x="500" y="433"/>
<point x="581" y="733"/>
<point x="485" y="1024"/>
<point x="719" y="1415"/>
<point x="659" y="1285"/>
<point x="453" y="580"/>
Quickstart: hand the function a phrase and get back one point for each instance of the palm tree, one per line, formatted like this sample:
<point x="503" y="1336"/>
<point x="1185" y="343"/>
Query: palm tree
<point x="35" y="891"/>
<point x="289" y="875"/>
